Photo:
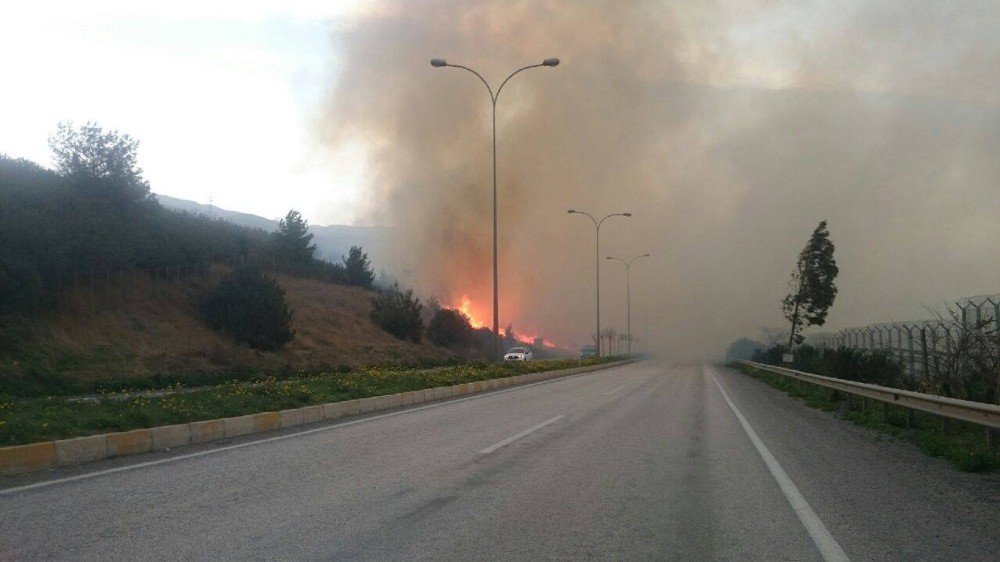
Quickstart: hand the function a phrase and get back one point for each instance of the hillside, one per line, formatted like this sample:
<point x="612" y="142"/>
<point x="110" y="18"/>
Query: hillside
<point x="332" y="241"/>
<point x="153" y="328"/>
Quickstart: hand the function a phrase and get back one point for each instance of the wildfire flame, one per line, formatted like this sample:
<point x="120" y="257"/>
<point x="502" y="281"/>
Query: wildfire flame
<point x="466" y="307"/>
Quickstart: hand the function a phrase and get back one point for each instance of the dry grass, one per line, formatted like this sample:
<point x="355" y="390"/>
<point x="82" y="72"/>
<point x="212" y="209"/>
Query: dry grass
<point x="152" y="327"/>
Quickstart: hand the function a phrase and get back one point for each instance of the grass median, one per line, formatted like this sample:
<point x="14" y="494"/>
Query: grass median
<point x="962" y="444"/>
<point x="32" y="420"/>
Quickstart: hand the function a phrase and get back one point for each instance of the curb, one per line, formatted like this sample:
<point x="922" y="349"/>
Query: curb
<point x="21" y="459"/>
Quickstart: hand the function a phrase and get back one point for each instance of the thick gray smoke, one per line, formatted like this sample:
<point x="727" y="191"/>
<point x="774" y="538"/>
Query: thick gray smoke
<point x="728" y="134"/>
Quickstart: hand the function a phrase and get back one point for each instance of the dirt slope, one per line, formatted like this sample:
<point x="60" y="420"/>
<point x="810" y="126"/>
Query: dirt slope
<point x="150" y="327"/>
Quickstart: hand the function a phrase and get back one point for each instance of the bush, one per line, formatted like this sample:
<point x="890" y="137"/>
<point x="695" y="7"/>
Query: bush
<point x="398" y="313"/>
<point x="449" y="328"/>
<point x="860" y="365"/>
<point x="251" y="308"/>
<point x="742" y="348"/>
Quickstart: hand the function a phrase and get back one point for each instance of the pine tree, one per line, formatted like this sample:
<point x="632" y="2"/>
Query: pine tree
<point x="357" y="268"/>
<point x="99" y="162"/>
<point x="812" y="279"/>
<point x="292" y="241"/>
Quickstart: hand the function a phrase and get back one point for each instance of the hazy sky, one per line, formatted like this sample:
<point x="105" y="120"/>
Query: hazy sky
<point x="729" y="129"/>
<point x="222" y="95"/>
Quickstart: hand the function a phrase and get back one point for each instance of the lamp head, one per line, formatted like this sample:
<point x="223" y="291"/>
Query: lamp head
<point x="626" y="214"/>
<point x="571" y="211"/>
<point x="438" y="63"/>
<point x="550" y="62"/>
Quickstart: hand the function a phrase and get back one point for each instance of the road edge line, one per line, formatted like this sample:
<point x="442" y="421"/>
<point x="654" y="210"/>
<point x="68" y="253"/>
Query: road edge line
<point x="828" y="546"/>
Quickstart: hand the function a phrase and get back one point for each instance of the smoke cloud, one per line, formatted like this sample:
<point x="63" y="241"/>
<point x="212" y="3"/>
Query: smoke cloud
<point x="728" y="133"/>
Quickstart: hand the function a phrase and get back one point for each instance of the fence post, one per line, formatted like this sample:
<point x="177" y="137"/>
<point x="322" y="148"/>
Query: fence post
<point x="923" y="347"/>
<point x="913" y="358"/>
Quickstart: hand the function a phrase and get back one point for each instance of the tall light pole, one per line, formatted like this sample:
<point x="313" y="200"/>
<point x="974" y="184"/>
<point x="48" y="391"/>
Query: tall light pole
<point x="597" y="252"/>
<point x="440" y="63"/>
<point x="628" y="295"/>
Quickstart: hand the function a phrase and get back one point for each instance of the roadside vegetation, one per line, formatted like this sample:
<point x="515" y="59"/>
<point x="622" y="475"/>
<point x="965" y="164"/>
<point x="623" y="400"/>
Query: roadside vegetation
<point x="251" y="308"/>
<point x="962" y="444"/>
<point x="398" y="312"/>
<point x="41" y="419"/>
<point x="858" y="365"/>
<point x="103" y="288"/>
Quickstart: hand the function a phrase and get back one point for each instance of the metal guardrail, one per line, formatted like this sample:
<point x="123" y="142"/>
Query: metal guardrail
<point x="965" y="410"/>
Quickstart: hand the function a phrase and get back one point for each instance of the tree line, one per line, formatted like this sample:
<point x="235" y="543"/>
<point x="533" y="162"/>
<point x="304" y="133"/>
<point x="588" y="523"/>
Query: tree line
<point x="94" y="211"/>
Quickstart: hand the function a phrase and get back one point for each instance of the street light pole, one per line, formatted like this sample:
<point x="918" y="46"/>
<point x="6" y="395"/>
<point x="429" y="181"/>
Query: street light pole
<point x="440" y="63"/>
<point x="597" y="254"/>
<point x="628" y="296"/>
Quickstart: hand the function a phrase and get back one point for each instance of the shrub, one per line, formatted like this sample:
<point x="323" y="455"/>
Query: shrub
<point x="398" y="313"/>
<point x="449" y="328"/>
<point x="860" y="365"/>
<point x="251" y="308"/>
<point x="742" y="348"/>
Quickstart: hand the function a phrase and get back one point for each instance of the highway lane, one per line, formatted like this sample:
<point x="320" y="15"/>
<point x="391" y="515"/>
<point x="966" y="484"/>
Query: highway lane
<point x="647" y="461"/>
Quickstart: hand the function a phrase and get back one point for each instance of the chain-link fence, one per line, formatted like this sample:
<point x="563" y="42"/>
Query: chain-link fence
<point x="919" y="345"/>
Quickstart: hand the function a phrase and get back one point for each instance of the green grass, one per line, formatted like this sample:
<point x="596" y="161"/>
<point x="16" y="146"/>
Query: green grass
<point x="963" y="445"/>
<point x="36" y="379"/>
<point x="43" y="419"/>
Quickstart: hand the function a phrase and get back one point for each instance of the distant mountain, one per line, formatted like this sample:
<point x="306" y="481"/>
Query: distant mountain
<point x="332" y="241"/>
<point x="242" y="219"/>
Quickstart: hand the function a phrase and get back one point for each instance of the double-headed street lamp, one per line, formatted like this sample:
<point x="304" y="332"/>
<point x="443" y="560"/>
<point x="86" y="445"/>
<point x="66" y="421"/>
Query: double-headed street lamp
<point x="597" y="252"/>
<point x="628" y="295"/>
<point x="440" y="63"/>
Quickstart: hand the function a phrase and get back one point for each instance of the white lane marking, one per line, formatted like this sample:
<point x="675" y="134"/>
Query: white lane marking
<point x="613" y="390"/>
<point x="95" y="474"/>
<point x="513" y="438"/>
<point x="828" y="547"/>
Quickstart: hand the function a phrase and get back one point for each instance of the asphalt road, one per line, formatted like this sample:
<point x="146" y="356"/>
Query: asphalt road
<point x="646" y="461"/>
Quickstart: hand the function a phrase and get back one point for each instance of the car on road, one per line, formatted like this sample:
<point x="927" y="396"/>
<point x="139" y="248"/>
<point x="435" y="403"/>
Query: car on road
<point x="588" y="351"/>
<point x="518" y="354"/>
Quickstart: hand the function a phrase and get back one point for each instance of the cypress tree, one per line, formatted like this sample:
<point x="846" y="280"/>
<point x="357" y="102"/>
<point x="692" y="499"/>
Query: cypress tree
<point x="812" y="280"/>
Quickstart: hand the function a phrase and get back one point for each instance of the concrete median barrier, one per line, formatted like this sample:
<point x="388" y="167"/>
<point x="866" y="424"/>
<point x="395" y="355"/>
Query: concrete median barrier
<point x="129" y="442"/>
<point x="352" y="407"/>
<point x="170" y="436"/>
<point x="334" y="410"/>
<point x="240" y="425"/>
<point x="366" y="405"/>
<point x="27" y="458"/>
<point x="207" y="430"/>
<point x="312" y="414"/>
<point x="266" y="421"/>
<point x="79" y="450"/>
<point x="290" y="418"/>
<point x="69" y="452"/>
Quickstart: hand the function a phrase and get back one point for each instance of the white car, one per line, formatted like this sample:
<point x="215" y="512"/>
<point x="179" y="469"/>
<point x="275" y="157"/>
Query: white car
<point x="518" y="354"/>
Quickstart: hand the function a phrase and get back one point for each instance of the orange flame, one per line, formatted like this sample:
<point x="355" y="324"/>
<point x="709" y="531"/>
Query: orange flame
<point x="466" y="307"/>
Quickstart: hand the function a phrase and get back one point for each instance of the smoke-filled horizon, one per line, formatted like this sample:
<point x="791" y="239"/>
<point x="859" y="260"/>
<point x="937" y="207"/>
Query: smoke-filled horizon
<point x="729" y="134"/>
